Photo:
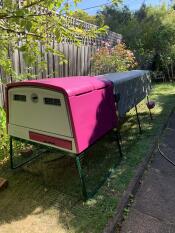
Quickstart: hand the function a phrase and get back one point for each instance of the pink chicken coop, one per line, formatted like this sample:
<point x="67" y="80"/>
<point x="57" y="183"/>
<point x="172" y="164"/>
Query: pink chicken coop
<point x="70" y="114"/>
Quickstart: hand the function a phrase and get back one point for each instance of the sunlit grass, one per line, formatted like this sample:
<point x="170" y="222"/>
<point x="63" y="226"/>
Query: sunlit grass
<point x="54" y="187"/>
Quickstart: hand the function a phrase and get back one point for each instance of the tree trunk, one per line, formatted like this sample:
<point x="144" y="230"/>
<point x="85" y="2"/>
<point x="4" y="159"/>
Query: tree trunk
<point x="172" y="73"/>
<point x="169" y="77"/>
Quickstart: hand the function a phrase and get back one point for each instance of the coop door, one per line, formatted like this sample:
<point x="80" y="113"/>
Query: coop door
<point x="40" y="109"/>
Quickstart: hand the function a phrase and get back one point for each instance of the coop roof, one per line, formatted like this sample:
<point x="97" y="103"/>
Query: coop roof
<point x="70" y="85"/>
<point x="121" y="77"/>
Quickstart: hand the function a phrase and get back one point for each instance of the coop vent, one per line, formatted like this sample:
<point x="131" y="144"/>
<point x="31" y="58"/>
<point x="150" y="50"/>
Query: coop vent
<point x="52" y="101"/>
<point x="19" y="98"/>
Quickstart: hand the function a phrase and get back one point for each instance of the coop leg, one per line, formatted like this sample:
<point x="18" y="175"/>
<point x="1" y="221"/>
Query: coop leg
<point x="138" y="120"/>
<point x="151" y="117"/>
<point x="11" y="152"/>
<point x="118" y="142"/>
<point x="12" y="155"/>
<point x="81" y="175"/>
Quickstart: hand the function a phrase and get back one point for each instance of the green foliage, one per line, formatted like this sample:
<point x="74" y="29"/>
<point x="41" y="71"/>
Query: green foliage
<point x="115" y="17"/>
<point x="83" y="15"/>
<point x="93" y="19"/>
<point x="115" y="59"/>
<point x="3" y="135"/>
<point x="149" y="32"/>
<point x="25" y="24"/>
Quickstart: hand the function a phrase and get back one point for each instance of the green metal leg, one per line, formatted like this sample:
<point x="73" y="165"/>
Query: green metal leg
<point x="81" y="175"/>
<point x="11" y="152"/>
<point x="12" y="155"/>
<point x="78" y="158"/>
<point x="138" y="120"/>
<point x="118" y="142"/>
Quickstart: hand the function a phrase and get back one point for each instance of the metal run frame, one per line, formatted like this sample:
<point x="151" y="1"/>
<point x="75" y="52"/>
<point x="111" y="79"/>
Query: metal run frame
<point x="137" y="115"/>
<point x="78" y="157"/>
<point x="138" y="119"/>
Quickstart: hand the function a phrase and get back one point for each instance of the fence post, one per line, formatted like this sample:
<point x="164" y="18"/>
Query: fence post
<point x="1" y="96"/>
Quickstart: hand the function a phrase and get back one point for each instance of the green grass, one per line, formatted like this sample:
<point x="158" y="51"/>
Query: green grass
<point x="45" y="196"/>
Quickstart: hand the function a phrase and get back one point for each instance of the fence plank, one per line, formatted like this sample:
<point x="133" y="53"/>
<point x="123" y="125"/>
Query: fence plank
<point x="2" y="95"/>
<point x="66" y="65"/>
<point x="60" y="65"/>
<point x="74" y="63"/>
<point x="56" y="62"/>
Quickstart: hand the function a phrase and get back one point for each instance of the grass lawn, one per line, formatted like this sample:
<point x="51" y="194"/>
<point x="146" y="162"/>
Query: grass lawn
<point x="44" y="196"/>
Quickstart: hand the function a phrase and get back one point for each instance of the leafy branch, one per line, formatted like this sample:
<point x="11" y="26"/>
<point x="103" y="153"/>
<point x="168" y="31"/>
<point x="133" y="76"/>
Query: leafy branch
<point x="37" y="23"/>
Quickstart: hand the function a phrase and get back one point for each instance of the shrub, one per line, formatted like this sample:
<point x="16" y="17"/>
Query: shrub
<point x="115" y="59"/>
<point x="3" y="135"/>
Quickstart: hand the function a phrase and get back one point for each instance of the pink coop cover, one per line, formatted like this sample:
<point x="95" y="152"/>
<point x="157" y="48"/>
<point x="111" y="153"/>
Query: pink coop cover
<point x="90" y="102"/>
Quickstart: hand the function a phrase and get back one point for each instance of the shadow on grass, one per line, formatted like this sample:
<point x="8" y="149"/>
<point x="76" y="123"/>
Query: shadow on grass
<point x="46" y="190"/>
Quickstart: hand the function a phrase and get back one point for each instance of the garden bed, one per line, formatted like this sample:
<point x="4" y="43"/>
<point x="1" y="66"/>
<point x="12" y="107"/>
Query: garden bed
<point x="45" y="195"/>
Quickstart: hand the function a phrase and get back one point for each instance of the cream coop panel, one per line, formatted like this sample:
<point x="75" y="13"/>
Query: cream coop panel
<point x="66" y="113"/>
<point x="38" y="108"/>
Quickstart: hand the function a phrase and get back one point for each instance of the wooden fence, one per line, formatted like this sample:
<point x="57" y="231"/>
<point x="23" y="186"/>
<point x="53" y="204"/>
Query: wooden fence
<point x="78" y="62"/>
<point x="78" y="58"/>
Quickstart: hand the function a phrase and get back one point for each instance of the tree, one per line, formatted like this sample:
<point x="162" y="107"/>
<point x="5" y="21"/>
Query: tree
<point x="25" y="24"/>
<point x="114" y="16"/>
<point x="148" y="32"/>
<point x="141" y="13"/>
<point x="83" y="15"/>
